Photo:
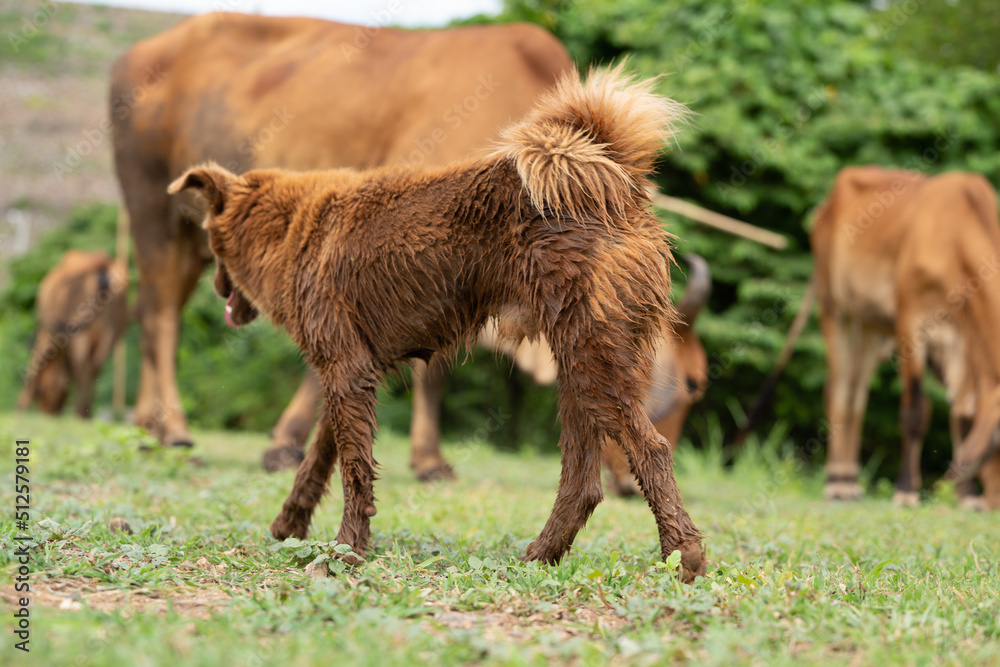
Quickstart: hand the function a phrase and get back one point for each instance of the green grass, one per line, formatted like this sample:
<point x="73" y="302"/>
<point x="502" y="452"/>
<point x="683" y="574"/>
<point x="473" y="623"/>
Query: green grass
<point x="791" y="579"/>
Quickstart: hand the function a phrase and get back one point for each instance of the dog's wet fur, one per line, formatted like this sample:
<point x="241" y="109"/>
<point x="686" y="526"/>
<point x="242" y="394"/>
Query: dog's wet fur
<point x="369" y="269"/>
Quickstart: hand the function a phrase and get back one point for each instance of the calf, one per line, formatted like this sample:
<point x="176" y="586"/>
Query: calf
<point x="82" y="311"/>
<point x="904" y="261"/>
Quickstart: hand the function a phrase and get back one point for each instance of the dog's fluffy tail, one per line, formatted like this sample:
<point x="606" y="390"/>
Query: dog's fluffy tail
<point x="585" y="150"/>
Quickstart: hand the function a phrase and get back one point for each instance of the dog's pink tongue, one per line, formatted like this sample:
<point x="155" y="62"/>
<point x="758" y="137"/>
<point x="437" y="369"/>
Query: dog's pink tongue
<point x="229" y="310"/>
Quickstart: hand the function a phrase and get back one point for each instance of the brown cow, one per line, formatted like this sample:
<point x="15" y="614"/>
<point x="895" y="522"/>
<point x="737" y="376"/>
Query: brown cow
<point x="253" y="91"/>
<point x="904" y="261"/>
<point x="82" y="311"/>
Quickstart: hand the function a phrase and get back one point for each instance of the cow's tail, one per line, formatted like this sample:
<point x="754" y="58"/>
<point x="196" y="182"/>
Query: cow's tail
<point x="585" y="150"/>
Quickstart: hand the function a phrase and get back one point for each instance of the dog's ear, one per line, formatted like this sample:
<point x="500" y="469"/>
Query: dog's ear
<point x="211" y="180"/>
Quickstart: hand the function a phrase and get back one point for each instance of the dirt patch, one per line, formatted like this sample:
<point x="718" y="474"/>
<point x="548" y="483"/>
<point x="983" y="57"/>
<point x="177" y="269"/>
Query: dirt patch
<point x="503" y="625"/>
<point x="72" y="594"/>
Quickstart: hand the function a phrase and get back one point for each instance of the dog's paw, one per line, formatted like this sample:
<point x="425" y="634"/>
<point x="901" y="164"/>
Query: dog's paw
<point x="284" y="527"/>
<point x="540" y="552"/>
<point x="693" y="562"/>
<point x="283" y="458"/>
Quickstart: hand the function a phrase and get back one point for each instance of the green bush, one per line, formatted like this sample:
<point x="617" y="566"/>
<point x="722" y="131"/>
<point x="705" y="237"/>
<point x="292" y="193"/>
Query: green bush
<point x="785" y="94"/>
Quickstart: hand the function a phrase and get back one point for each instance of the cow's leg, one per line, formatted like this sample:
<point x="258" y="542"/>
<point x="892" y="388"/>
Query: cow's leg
<point x="53" y="384"/>
<point x="616" y="461"/>
<point x="853" y="355"/>
<point x="960" y="423"/>
<point x="425" y="425"/>
<point x="288" y="439"/>
<point x="169" y="269"/>
<point x="914" y="417"/>
<point x="84" y="372"/>
<point x="989" y="474"/>
<point x="349" y="391"/>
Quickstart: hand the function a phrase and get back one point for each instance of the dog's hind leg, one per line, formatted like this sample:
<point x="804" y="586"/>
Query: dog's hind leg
<point x="599" y="397"/>
<point x="579" y="483"/>
<point x="649" y="455"/>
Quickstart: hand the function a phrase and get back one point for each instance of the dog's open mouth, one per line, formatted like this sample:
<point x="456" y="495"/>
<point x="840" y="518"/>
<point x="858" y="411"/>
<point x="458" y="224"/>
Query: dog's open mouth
<point x="239" y="310"/>
<point x="229" y="310"/>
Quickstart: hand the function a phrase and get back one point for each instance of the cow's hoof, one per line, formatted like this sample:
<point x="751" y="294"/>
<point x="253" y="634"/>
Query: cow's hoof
<point x="625" y="487"/>
<point x="179" y="441"/>
<point x="906" y="499"/>
<point x="437" y="473"/>
<point x="972" y="503"/>
<point x="283" y="458"/>
<point x="842" y="491"/>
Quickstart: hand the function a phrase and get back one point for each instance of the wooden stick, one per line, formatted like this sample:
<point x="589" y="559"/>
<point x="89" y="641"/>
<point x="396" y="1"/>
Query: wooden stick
<point x="718" y="221"/>
<point x="118" y="360"/>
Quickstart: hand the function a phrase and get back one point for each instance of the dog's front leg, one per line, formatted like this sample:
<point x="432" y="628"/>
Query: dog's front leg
<point x="310" y="483"/>
<point x="346" y="431"/>
<point x="350" y="395"/>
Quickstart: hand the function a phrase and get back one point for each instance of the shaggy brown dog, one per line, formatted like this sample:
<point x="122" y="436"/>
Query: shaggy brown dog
<point x="369" y="269"/>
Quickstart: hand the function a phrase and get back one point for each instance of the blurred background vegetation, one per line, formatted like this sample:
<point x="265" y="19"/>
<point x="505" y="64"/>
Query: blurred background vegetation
<point x="785" y="95"/>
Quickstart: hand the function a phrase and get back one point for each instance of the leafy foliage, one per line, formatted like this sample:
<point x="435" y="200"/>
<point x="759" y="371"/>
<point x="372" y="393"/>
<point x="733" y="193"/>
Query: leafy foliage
<point x="947" y="32"/>
<point x="785" y="94"/>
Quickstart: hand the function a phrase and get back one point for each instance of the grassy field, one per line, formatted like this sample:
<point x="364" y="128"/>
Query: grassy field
<point x="200" y="581"/>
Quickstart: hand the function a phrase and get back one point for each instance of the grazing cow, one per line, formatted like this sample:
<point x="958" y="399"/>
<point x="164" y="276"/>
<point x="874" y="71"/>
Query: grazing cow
<point x="82" y="311"/>
<point x="369" y="269"/>
<point x="905" y="261"/>
<point x="254" y="91"/>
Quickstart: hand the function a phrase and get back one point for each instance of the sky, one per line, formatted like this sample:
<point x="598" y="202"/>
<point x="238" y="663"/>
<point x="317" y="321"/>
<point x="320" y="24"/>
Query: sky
<point x="364" y="12"/>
